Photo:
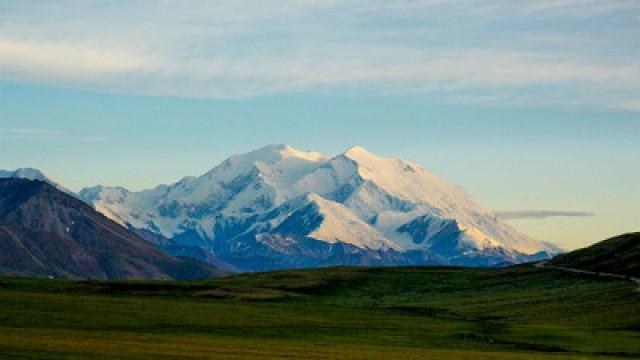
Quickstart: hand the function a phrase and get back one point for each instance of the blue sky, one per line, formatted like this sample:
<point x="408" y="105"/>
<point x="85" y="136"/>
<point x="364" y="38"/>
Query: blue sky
<point x="529" y="105"/>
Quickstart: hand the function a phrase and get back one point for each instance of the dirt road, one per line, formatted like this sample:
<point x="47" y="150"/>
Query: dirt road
<point x="545" y="264"/>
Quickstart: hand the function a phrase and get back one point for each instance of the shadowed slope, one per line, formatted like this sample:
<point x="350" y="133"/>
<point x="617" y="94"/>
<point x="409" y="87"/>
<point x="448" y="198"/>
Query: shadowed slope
<point x="45" y="232"/>
<point x="618" y="255"/>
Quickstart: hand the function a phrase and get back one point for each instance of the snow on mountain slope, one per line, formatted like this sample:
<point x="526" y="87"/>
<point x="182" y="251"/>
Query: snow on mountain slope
<point x="24" y="173"/>
<point x="33" y="174"/>
<point x="341" y="225"/>
<point x="241" y="186"/>
<point x="113" y="203"/>
<point x="356" y="198"/>
<point x="275" y="166"/>
<point x="388" y="191"/>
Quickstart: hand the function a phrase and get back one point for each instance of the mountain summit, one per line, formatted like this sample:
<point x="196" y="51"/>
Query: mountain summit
<point x="280" y="207"/>
<point x="32" y="174"/>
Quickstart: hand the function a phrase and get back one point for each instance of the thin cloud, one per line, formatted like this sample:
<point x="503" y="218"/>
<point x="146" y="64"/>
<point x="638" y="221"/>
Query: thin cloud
<point x="540" y="214"/>
<point x="581" y="7"/>
<point x="237" y="50"/>
<point x="64" y="62"/>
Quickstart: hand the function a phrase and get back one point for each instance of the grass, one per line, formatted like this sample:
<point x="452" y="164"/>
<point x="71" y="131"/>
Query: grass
<point x="618" y="255"/>
<point x="368" y="313"/>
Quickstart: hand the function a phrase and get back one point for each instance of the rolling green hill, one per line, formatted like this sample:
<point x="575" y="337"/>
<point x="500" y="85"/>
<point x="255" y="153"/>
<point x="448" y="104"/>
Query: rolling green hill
<point x="618" y="255"/>
<point x="357" y="313"/>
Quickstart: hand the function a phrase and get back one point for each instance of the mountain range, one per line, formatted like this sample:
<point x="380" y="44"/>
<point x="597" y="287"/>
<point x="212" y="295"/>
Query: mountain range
<point x="278" y="207"/>
<point x="45" y="232"/>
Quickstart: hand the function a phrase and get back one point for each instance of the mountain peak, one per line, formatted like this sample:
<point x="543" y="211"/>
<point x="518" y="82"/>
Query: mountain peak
<point x="273" y="153"/>
<point x="289" y="151"/>
<point x="32" y="174"/>
<point x="274" y="148"/>
<point x="363" y="156"/>
<point x="357" y="151"/>
<point x="24" y="173"/>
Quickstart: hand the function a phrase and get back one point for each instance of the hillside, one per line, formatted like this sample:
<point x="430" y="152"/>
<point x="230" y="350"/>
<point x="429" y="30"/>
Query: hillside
<point x="618" y="255"/>
<point x="333" y="313"/>
<point x="45" y="232"/>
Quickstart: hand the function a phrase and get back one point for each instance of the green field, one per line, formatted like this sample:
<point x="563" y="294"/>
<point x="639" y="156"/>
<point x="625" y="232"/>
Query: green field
<point x="368" y="313"/>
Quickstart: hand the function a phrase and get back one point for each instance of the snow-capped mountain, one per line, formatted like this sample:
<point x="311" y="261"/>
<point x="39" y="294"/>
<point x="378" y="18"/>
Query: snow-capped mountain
<point x="280" y="207"/>
<point x="32" y="174"/>
<point x="24" y="173"/>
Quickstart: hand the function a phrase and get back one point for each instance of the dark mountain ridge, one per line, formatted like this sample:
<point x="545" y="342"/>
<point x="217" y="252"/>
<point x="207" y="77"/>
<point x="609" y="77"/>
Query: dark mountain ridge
<point x="46" y="232"/>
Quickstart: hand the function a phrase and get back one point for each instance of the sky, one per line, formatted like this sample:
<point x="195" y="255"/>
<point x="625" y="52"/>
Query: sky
<point x="532" y="106"/>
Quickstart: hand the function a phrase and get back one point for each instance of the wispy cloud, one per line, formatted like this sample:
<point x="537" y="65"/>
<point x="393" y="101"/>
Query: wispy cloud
<point x="540" y="214"/>
<point x="45" y="134"/>
<point x="580" y="7"/>
<point x="495" y="52"/>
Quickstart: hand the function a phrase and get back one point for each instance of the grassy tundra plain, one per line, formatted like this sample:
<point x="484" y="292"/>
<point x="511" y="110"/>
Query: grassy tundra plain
<point x="403" y="313"/>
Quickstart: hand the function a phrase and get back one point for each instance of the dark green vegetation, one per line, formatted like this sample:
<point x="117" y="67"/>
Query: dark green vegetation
<point x="46" y="232"/>
<point x="618" y="255"/>
<point x="387" y="313"/>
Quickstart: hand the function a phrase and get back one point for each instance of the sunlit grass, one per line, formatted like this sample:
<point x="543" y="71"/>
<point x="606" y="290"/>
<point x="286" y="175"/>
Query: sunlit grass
<point x="326" y="313"/>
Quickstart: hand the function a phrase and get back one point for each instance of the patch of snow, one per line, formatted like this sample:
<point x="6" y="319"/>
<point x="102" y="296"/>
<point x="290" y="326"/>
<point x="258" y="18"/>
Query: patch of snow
<point x="341" y="225"/>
